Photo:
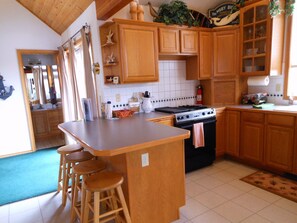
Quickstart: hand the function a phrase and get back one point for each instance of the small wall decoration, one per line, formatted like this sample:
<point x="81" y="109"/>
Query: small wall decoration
<point x="5" y="91"/>
<point x="96" y="68"/>
<point x="224" y="14"/>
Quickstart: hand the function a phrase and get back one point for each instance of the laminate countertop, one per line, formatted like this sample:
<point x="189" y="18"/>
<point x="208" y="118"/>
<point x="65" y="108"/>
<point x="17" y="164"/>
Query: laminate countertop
<point x="104" y="137"/>
<point x="282" y="109"/>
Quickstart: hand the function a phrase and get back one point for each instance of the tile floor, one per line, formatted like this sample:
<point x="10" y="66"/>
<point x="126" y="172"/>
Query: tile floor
<point x="214" y="195"/>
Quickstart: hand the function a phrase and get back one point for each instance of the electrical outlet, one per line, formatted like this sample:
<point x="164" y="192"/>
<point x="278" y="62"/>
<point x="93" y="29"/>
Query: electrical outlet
<point x="278" y="87"/>
<point x="144" y="159"/>
<point x="118" y="97"/>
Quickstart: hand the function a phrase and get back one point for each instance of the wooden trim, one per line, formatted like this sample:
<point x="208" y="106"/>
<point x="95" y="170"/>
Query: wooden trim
<point x="20" y="52"/>
<point x="106" y="8"/>
<point x="287" y="55"/>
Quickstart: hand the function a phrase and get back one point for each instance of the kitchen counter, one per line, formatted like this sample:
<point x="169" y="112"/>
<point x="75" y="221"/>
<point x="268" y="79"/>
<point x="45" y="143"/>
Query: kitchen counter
<point x="289" y="109"/>
<point x="154" y="187"/>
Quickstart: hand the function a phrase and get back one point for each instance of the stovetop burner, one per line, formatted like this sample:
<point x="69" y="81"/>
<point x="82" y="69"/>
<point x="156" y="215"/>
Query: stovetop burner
<point x="189" y="112"/>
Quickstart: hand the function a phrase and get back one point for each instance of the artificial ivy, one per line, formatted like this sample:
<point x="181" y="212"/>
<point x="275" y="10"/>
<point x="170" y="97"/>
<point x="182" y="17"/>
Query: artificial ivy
<point x="176" y="12"/>
<point x="275" y="9"/>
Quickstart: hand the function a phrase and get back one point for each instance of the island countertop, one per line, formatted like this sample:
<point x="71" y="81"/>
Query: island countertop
<point x="104" y="137"/>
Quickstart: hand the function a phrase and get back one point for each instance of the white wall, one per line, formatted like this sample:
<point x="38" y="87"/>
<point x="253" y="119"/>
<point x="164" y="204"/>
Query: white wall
<point x="19" y="30"/>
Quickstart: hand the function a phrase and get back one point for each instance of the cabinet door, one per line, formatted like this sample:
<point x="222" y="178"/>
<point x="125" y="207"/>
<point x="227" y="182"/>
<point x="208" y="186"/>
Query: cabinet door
<point x="139" y="53"/>
<point x="40" y="124"/>
<point x="169" y="41"/>
<point x="189" y="42"/>
<point x="205" y="55"/>
<point x="232" y="132"/>
<point x="252" y="136"/>
<point x="279" y="147"/>
<point x="226" y="53"/>
<point x="220" y="132"/>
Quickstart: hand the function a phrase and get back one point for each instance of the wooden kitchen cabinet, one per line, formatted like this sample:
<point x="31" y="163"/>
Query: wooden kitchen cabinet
<point x="173" y="41"/>
<point x="205" y="54"/>
<point x="232" y="132"/>
<point x="279" y="148"/>
<point x="226" y="52"/>
<point x="220" y="132"/>
<point x="252" y="136"/>
<point x="261" y="50"/>
<point x="168" y="120"/>
<point x="135" y="50"/>
<point x="45" y="123"/>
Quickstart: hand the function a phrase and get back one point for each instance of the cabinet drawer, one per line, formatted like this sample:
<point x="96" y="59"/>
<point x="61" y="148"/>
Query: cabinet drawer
<point x="253" y="117"/>
<point x="281" y="120"/>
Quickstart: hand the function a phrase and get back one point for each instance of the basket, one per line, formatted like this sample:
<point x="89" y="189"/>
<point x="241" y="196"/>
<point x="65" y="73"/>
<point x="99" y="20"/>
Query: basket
<point x="123" y="113"/>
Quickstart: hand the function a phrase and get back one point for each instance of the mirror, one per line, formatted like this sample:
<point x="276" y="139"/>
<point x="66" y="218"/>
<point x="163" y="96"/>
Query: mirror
<point x="42" y="80"/>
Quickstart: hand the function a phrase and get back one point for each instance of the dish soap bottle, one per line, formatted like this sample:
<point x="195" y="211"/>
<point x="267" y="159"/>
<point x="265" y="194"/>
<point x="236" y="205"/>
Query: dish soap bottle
<point x="108" y="110"/>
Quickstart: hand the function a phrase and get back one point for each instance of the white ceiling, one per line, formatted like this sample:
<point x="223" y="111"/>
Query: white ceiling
<point x="201" y="6"/>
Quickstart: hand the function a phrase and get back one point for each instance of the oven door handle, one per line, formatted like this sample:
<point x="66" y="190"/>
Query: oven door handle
<point x="191" y="125"/>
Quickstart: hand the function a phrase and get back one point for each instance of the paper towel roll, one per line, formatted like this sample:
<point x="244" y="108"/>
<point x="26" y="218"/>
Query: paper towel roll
<point x="258" y="81"/>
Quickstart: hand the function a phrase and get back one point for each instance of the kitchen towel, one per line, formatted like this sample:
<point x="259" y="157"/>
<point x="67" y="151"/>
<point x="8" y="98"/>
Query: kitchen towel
<point x="198" y="135"/>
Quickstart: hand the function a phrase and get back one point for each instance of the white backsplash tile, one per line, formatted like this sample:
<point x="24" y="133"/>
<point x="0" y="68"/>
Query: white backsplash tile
<point x="172" y="89"/>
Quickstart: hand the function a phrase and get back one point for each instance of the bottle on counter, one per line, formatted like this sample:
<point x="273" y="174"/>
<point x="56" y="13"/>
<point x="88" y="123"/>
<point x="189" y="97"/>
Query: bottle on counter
<point x="108" y="110"/>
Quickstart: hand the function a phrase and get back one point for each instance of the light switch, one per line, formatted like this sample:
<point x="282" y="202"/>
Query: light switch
<point x="278" y="87"/>
<point x="144" y="159"/>
<point x="118" y="97"/>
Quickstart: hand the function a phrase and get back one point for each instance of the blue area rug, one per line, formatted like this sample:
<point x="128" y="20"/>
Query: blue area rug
<point x="28" y="175"/>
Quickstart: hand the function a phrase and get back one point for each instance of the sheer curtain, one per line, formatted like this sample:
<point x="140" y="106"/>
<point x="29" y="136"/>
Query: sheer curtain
<point x="38" y="78"/>
<point x="77" y="78"/>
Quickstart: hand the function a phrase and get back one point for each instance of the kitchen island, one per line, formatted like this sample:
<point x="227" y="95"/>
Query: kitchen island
<point x="154" y="186"/>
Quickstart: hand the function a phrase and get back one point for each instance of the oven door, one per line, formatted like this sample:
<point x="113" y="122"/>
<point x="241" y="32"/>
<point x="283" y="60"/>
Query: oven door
<point x="196" y="158"/>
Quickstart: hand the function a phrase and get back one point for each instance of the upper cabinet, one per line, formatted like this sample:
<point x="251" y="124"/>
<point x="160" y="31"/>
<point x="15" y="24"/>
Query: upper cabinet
<point x="129" y="51"/>
<point x="226" y="52"/>
<point x="174" y="41"/>
<point x="205" y="54"/>
<point x="260" y="49"/>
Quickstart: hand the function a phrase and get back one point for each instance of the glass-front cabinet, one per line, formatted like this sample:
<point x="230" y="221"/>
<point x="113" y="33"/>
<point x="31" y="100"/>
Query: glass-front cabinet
<point x="255" y="39"/>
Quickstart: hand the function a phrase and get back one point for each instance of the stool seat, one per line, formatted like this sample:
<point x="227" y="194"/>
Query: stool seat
<point x="89" y="167"/>
<point x="69" y="149"/>
<point x="103" y="181"/>
<point x="79" y="157"/>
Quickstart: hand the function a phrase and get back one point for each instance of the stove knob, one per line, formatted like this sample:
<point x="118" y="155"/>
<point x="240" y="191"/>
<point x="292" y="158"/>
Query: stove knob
<point x="187" y="116"/>
<point x="208" y="112"/>
<point x="178" y="118"/>
<point x="203" y="113"/>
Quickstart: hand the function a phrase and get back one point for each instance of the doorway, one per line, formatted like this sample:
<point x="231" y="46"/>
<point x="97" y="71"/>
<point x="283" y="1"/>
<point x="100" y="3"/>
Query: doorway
<point x="39" y="71"/>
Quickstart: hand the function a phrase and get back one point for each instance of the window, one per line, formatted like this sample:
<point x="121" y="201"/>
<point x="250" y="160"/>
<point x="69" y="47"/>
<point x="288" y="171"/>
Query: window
<point x="291" y="58"/>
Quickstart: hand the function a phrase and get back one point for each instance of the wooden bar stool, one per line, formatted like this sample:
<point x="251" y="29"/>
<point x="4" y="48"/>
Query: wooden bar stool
<point x="69" y="162"/>
<point x="63" y="151"/>
<point x="82" y="169"/>
<point x="110" y="184"/>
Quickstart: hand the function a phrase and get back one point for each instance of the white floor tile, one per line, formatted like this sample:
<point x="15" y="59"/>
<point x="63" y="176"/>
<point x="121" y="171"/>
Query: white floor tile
<point x="255" y="219"/>
<point x="241" y="185"/>
<point x="225" y="176"/>
<point x="228" y="191"/>
<point x="241" y="171"/>
<point x="192" y="176"/>
<point x="210" y="170"/>
<point x="24" y="205"/>
<point x="192" y="209"/>
<point x="276" y="214"/>
<point x="4" y="211"/>
<point x="251" y="202"/>
<point x="32" y="215"/>
<point x="211" y="217"/>
<point x="265" y="195"/>
<point x="224" y="164"/>
<point x="287" y="204"/>
<point x="182" y="219"/>
<point x="210" y="199"/>
<point x="193" y="189"/>
<point x="209" y="182"/>
<point x="233" y="212"/>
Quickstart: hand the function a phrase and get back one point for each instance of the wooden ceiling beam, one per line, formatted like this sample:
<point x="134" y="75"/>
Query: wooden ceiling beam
<point x="106" y="8"/>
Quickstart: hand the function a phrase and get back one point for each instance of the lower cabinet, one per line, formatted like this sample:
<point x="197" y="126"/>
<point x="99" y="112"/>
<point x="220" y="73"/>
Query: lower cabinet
<point x="232" y="132"/>
<point x="279" y="152"/>
<point x="252" y="136"/>
<point x="168" y="120"/>
<point x="220" y="132"/>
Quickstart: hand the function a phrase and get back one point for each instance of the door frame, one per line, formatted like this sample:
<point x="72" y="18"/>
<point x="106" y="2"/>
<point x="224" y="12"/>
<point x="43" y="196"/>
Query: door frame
<point x="20" y="52"/>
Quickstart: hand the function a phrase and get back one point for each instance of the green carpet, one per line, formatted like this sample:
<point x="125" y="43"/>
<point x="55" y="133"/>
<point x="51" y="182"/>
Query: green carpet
<point x="28" y="175"/>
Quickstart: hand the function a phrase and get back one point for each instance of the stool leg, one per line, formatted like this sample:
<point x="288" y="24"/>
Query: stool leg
<point x="76" y="182"/>
<point x="86" y="206"/>
<point x="124" y="205"/>
<point x="66" y="182"/>
<point x="96" y="207"/>
<point x="114" y="204"/>
<point x="60" y="173"/>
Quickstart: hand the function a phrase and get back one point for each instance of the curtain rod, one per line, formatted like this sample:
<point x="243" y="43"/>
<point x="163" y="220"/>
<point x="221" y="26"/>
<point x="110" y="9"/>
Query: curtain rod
<point x="72" y="37"/>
